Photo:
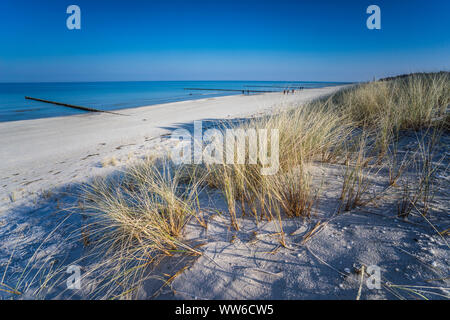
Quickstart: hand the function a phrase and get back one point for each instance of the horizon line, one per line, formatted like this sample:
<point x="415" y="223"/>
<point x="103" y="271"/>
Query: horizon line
<point x="97" y="81"/>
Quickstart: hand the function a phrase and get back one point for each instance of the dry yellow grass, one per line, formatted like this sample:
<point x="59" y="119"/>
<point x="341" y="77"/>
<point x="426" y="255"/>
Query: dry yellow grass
<point x="146" y="205"/>
<point x="137" y="218"/>
<point x="142" y="214"/>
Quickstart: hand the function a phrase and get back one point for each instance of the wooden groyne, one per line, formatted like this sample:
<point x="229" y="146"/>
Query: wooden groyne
<point x="70" y="105"/>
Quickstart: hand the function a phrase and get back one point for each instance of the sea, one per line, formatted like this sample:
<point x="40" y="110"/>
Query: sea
<point x="110" y="96"/>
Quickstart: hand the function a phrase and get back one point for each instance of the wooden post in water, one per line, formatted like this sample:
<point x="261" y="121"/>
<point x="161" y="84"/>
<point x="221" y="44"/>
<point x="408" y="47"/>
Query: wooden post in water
<point x="70" y="105"/>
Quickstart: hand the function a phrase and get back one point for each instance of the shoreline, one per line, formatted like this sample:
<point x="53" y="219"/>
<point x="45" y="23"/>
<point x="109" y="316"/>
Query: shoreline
<point x="40" y="154"/>
<point x="112" y="96"/>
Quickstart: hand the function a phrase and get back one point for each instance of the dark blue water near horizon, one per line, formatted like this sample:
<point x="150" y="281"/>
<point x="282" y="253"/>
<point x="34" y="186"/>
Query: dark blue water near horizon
<point x="119" y="95"/>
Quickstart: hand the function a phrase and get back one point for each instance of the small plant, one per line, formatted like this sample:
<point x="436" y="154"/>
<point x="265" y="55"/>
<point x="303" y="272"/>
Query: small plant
<point x="406" y="202"/>
<point x="229" y="191"/>
<point x="109" y="162"/>
<point x="137" y="218"/>
<point x="425" y="170"/>
<point x="356" y="183"/>
<point x="396" y="167"/>
<point x="294" y="193"/>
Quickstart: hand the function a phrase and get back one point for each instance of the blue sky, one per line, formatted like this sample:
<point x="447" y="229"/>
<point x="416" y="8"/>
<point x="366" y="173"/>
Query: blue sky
<point x="220" y="40"/>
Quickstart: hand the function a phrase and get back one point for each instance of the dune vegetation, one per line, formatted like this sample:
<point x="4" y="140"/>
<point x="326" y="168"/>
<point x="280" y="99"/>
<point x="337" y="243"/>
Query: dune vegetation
<point x="139" y="216"/>
<point x="359" y="129"/>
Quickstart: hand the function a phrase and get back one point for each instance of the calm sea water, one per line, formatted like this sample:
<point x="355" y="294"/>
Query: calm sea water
<point x="118" y="95"/>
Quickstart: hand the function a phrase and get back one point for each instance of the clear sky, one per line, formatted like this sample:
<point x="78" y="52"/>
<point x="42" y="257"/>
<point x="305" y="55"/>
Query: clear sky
<point x="221" y="40"/>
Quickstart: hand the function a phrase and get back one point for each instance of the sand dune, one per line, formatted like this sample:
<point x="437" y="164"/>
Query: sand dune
<point x="40" y="159"/>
